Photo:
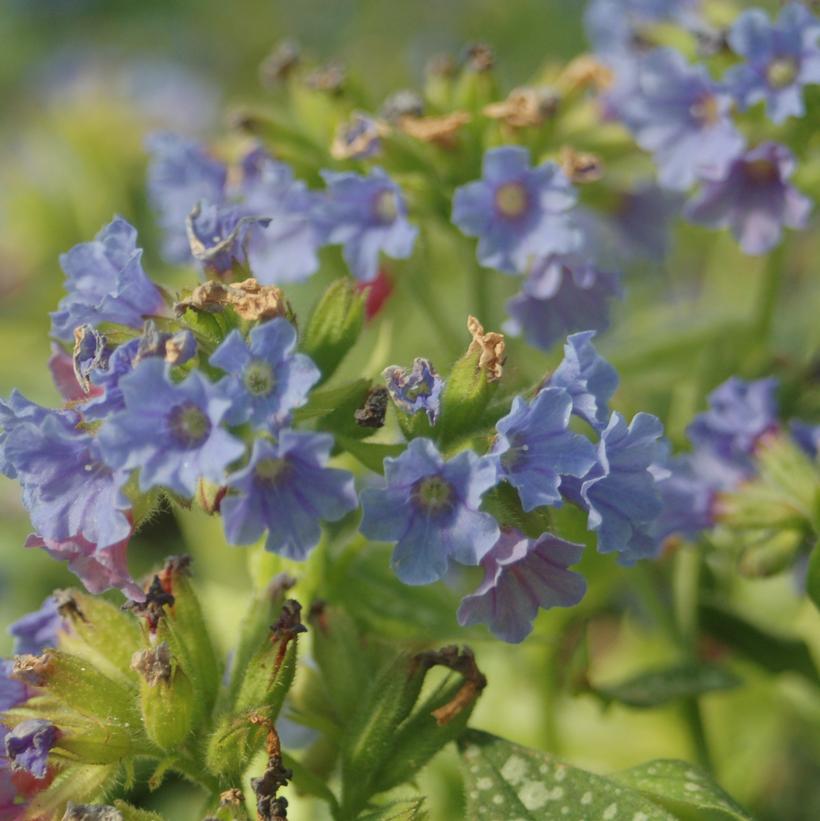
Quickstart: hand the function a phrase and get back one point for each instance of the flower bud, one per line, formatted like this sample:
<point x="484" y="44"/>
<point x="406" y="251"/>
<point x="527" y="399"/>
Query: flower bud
<point x="166" y="696"/>
<point x="334" y="326"/>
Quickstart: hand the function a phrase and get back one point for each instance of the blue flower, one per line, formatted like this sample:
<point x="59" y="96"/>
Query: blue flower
<point x="522" y="575"/>
<point x="28" y="745"/>
<point x="218" y="236"/>
<point x="430" y="507"/>
<point x="105" y="283"/>
<point x="534" y="447"/>
<point x="266" y="378"/>
<point x="16" y="411"/>
<point x="170" y="431"/>
<point x="517" y="212"/>
<point x="740" y="414"/>
<point x="366" y="215"/>
<point x="107" y="399"/>
<point x="806" y="436"/>
<point x="180" y="175"/>
<point x="681" y="115"/>
<point x="562" y="294"/>
<point x="781" y="58"/>
<point x="284" y="246"/>
<point x="287" y="490"/>
<point x="68" y="488"/>
<point x="38" y="630"/>
<point x="588" y="378"/>
<point x="418" y="390"/>
<point x="754" y="199"/>
<point x="620" y="492"/>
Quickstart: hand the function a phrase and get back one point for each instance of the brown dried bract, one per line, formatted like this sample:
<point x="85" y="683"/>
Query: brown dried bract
<point x="441" y="131"/>
<point x="461" y="662"/>
<point x="33" y="670"/>
<point x="586" y="71"/>
<point x="153" y="665"/>
<point x="345" y="148"/>
<point x="248" y="298"/>
<point x="580" y="166"/>
<point x="490" y="346"/>
<point x="524" y="107"/>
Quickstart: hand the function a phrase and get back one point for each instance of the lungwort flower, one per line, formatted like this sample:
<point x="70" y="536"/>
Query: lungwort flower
<point x="287" y="490"/>
<point x="562" y="294"/>
<point x="416" y="390"/>
<point x="681" y="115"/>
<point x="518" y="212"/>
<point x="430" y="508"/>
<point x="105" y="283"/>
<point x="534" y="448"/>
<point x="781" y="58"/>
<point x="266" y="378"/>
<point x="522" y="575"/>
<point x="169" y="431"/>
<point x="755" y="199"/>
<point x="366" y="216"/>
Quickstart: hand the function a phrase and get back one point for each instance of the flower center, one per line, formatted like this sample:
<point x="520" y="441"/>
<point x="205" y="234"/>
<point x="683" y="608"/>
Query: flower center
<point x="763" y="171"/>
<point x="706" y="110"/>
<point x="268" y="470"/>
<point x="511" y="199"/>
<point x="433" y="494"/>
<point x="781" y="72"/>
<point x="387" y="206"/>
<point x="189" y="424"/>
<point x="258" y="378"/>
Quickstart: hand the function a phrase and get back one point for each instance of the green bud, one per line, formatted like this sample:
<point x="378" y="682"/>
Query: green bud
<point x="334" y="326"/>
<point x="773" y="554"/>
<point x="471" y="385"/>
<point x="77" y="684"/>
<point x="100" y="632"/>
<point x="85" y="783"/>
<point x="166" y="697"/>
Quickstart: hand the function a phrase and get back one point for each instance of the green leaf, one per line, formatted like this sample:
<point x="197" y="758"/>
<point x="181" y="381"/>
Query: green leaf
<point x="813" y="576"/>
<point x="326" y="401"/>
<point x="655" y="687"/>
<point x="410" y="809"/>
<point x="504" y="780"/>
<point x="683" y="789"/>
<point x="370" y="454"/>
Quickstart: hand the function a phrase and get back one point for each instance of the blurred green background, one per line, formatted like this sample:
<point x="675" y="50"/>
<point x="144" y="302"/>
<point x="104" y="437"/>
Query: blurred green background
<point x="82" y="82"/>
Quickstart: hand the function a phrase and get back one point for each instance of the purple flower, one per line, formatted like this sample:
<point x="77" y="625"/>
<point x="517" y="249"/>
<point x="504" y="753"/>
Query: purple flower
<point x="562" y="294"/>
<point x="99" y="568"/>
<point x="522" y="575"/>
<point x="755" y="199"/>
<point x="218" y="236"/>
<point x="642" y="220"/>
<point x="620" y="492"/>
<point x="588" y="378"/>
<point x="266" y="378"/>
<point x="806" y="436"/>
<point x="366" y="215"/>
<point x="38" y="630"/>
<point x="68" y="489"/>
<point x="739" y="414"/>
<point x="517" y="212"/>
<point x="28" y="745"/>
<point x="170" y="431"/>
<point x="430" y="508"/>
<point x="105" y="283"/>
<point x="417" y="390"/>
<point x="287" y="490"/>
<point x="534" y="447"/>
<point x="677" y="112"/>
<point x="781" y="58"/>
<point x="108" y="397"/>
<point x="284" y="246"/>
<point x="180" y="175"/>
<point x="18" y="411"/>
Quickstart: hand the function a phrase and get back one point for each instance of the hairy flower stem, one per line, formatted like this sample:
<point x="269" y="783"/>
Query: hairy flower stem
<point x="686" y="589"/>
<point x="769" y="290"/>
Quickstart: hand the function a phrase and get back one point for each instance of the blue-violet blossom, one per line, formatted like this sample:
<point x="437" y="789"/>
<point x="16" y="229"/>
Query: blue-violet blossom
<point x="416" y="390"/>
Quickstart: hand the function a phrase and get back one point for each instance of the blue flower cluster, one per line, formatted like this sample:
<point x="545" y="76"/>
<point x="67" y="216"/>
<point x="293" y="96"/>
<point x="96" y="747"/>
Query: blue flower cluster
<point x="268" y="221"/>
<point x="431" y="506"/>
<point x="527" y="223"/>
<point x="682" y="115"/>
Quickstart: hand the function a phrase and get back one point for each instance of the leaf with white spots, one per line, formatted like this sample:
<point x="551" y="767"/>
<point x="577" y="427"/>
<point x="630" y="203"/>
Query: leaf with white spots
<point x="655" y="687"/>
<point x="685" y="790"/>
<point x="506" y="782"/>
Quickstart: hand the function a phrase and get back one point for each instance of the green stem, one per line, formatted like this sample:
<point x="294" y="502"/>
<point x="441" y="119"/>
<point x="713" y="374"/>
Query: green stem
<point x="768" y="294"/>
<point x="686" y="590"/>
<point x="481" y="297"/>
